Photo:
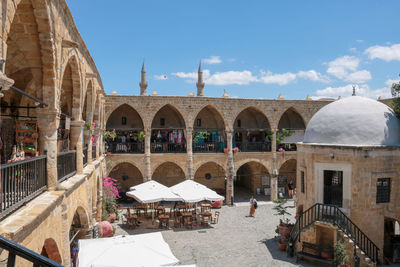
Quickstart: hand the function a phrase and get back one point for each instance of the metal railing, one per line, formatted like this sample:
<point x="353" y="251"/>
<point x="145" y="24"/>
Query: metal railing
<point x="94" y="154"/>
<point x="332" y="214"/>
<point x="161" y="147"/>
<point x="85" y="155"/>
<point x="66" y="165"/>
<point x="127" y="147"/>
<point x="208" y="147"/>
<point x="21" y="181"/>
<point x="253" y="146"/>
<point x="15" y="250"/>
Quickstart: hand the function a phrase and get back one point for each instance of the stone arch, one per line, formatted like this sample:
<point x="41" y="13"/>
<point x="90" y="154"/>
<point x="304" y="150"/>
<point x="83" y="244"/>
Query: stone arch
<point x="71" y="90"/>
<point x="172" y="116"/>
<point x="116" y="161"/>
<point x="50" y="250"/>
<point x="291" y="119"/>
<point x="240" y="163"/>
<point x="87" y="106"/>
<point x="168" y="173"/>
<point x="81" y="217"/>
<point x="127" y="175"/>
<point x="253" y="118"/>
<point x="211" y="175"/>
<point x="210" y="117"/>
<point x="288" y="171"/>
<point x="249" y="177"/>
<point x="133" y="118"/>
<point x="96" y="111"/>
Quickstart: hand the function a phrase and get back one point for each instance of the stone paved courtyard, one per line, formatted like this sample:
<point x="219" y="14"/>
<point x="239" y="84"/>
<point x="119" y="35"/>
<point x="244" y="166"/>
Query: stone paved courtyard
<point x="237" y="240"/>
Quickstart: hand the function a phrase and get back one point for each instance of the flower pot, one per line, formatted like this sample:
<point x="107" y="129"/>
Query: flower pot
<point x="282" y="245"/>
<point x="285" y="230"/>
<point x="326" y="254"/>
<point x="112" y="217"/>
<point x="105" y="229"/>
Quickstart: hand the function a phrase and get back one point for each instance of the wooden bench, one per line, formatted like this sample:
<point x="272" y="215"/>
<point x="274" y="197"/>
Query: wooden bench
<point x="314" y="256"/>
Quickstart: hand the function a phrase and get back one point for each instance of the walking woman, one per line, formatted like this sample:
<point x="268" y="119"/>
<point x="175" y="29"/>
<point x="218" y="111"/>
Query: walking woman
<point x="253" y="206"/>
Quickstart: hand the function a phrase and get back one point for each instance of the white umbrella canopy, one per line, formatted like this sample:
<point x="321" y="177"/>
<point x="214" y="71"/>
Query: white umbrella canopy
<point x="132" y="250"/>
<point x="191" y="192"/>
<point x="152" y="191"/>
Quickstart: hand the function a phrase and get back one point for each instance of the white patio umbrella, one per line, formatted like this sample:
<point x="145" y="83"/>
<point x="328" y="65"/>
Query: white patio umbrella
<point x="131" y="250"/>
<point x="191" y="192"/>
<point x="152" y="191"/>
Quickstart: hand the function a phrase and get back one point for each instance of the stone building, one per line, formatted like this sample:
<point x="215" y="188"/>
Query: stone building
<point x="50" y="88"/>
<point x="350" y="159"/>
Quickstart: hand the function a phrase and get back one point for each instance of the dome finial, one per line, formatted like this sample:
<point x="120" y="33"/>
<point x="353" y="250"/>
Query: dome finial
<point x="354" y="90"/>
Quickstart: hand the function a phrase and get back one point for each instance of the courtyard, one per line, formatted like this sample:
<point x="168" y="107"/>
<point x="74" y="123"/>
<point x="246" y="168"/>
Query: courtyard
<point x="236" y="240"/>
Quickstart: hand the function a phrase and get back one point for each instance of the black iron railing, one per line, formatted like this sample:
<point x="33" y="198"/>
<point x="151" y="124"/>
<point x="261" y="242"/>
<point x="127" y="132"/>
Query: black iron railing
<point x="159" y="147"/>
<point x="21" y="181"/>
<point x="66" y="165"/>
<point x="85" y="155"/>
<point x="208" y="147"/>
<point x="253" y="146"/>
<point x="332" y="214"/>
<point x="15" y="250"/>
<point x="127" y="147"/>
<point x="94" y="155"/>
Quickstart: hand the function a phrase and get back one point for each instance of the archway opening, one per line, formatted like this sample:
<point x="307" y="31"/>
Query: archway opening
<point x="251" y="130"/>
<point x="213" y="176"/>
<point x="24" y="66"/>
<point x="287" y="179"/>
<point x="169" y="174"/>
<point x="208" y="131"/>
<point x="79" y="229"/>
<point x="127" y="175"/>
<point x="252" y="178"/>
<point x="50" y="250"/>
<point x="291" y="127"/>
<point x="391" y="246"/>
<point x="126" y="122"/>
<point x="167" y="135"/>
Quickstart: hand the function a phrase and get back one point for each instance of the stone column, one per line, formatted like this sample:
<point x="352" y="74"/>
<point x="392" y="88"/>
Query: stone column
<point x="89" y="150"/>
<point x="76" y="142"/>
<point x="147" y="155"/>
<point x="48" y="122"/>
<point x="96" y="133"/>
<point x="65" y="248"/>
<point x="273" y="145"/>
<point x="189" y="150"/>
<point x="274" y="176"/>
<point x="230" y="170"/>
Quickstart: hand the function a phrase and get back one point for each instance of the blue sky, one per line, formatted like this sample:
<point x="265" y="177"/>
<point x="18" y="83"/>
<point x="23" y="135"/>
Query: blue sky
<point x="252" y="49"/>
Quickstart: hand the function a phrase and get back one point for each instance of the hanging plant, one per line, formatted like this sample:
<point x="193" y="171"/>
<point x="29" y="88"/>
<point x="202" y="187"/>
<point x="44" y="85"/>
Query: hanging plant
<point x="281" y="134"/>
<point x="109" y="135"/>
<point x="200" y="135"/>
<point x="140" y="137"/>
<point x="89" y="127"/>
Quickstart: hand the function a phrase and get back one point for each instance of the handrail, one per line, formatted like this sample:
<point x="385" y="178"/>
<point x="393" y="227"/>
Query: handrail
<point x="15" y="249"/>
<point x="15" y="163"/>
<point x="332" y="214"/>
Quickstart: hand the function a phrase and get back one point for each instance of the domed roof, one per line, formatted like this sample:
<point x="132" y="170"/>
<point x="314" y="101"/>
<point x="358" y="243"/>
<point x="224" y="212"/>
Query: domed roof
<point x="354" y="121"/>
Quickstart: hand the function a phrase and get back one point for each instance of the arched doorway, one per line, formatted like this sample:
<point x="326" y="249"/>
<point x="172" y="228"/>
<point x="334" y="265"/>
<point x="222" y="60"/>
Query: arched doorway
<point x="126" y="122"/>
<point x="79" y="229"/>
<point x="251" y="130"/>
<point x="167" y="135"/>
<point x="391" y="246"/>
<point x="291" y="125"/>
<point x="127" y="175"/>
<point x="287" y="175"/>
<point x="213" y="176"/>
<point x="208" y="131"/>
<point x="168" y="174"/>
<point x="50" y="250"/>
<point x="251" y="178"/>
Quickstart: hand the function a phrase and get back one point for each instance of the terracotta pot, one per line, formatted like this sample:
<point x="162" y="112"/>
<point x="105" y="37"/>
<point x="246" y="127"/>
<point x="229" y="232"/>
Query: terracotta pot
<point x="284" y="231"/>
<point x="282" y="245"/>
<point x="112" y="217"/>
<point x="326" y="255"/>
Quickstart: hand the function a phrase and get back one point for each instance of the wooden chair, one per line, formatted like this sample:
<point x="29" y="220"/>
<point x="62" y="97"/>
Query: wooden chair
<point x="214" y="219"/>
<point x="178" y="221"/>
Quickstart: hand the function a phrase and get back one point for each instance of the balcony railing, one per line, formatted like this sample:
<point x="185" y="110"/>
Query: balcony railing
<point x="66" y="165"/>
<point x="21" y="181"/>
<point x="85" y="155"/>
<point x="94" y="153"/>
<point x="208" y="147"/>
<point x="253" y="146"/>
<point x="119" y="147"/>
<point x="159" y="147"/>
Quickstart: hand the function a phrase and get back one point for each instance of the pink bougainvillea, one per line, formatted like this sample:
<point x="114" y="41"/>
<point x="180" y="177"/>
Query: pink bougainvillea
<point x="110" y="195"/>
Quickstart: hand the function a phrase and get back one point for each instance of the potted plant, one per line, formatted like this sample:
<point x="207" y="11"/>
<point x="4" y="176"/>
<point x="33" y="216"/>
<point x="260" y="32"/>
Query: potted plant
<point x="285" y="227"/>
<point x="341" y="256"/>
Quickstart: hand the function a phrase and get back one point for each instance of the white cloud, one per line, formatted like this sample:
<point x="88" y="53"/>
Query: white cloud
<point x="347" y="90"/>
<point x="313" y="76"/>
<point x="353" y="49"/>
<point x="359" y="76"/>
<point x="212" y="60"/>
<point x="281" y="79"/>
<point x="341" y="66"/>
<point x="231" y="77"/>
<point x="392" y="81"/>
<point x="359" y="41"/>
<point x="386" y="53"/>
<point x="161" y="77"/>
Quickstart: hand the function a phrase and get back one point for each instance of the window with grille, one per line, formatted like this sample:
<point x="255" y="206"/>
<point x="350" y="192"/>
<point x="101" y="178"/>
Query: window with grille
<point x="302" y="182"/>
<point x="383" y="190"/>
<point x="123" y="121"/>
<point x="198" y="123"/>
<point x="239" y="123"/>
<point x="162" y="122"/>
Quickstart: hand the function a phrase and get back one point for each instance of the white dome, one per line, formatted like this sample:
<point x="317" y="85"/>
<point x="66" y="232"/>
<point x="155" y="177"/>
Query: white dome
<point x="354" y="121"/>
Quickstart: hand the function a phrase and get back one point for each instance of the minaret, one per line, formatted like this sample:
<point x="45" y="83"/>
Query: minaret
<point x="143" y="83"/>
<point x="354" y="90"/>
<point x="200" y="84"/>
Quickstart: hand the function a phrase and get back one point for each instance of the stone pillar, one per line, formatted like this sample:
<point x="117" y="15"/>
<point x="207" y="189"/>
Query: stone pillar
<point x="230" y="170"/>
<point x="189" y="150"/>
<point x="147" y="155"/>
<point x="48" y="122"/>
<point x="96" y="133"/>
<point x="273" y="145"/>
<point x="65" y="247"/>
<point x="274" y="187"/>
<point x="76" y="142"/>
<point x="274" y="177"/>
<point x="89" y="150"/>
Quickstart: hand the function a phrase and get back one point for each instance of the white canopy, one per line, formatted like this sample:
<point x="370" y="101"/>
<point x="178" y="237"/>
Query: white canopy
<point x="120" y="251"/>
<point x="191" y="192"/>
<point x="152" y="191"/>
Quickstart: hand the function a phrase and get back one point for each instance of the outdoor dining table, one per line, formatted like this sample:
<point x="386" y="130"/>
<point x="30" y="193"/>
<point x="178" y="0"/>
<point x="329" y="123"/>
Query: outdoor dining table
<point x="164" y="221"/>
<point x="205" y="207"/>
<point x="141" y="207"/>
<point x="186" y="217"/>
<point x="206" y="214"/>
<point x="160" y="209"/>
